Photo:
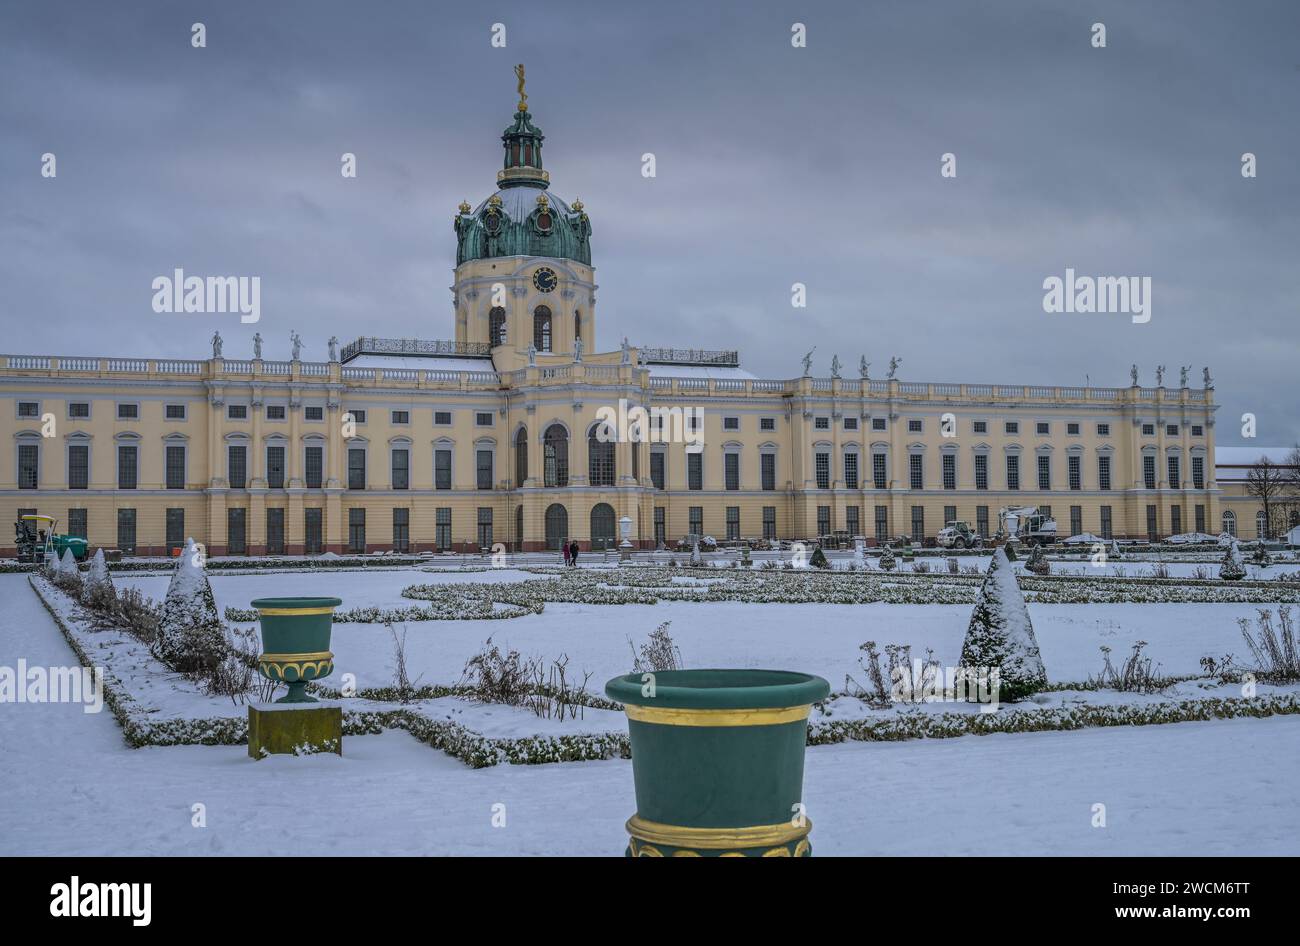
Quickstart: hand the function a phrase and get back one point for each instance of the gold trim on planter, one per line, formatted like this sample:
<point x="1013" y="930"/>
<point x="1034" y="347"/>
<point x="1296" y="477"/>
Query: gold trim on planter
<point x="282" y="612"/>
<point x="671" y="835"/>
<point x="297" y="658"/>
<point x="717" y="717"/>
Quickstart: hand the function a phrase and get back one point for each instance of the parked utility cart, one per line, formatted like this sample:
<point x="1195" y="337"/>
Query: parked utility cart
<point x="36" y="540"/>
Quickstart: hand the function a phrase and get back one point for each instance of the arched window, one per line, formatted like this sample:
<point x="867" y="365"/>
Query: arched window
<point x="577" y="323"/>
<point x="542" y="328"/>
<point x="1261" y="525"/>
<point x="519" y="528"/>
<point x="600" y="454"/>
<point x="557" y="526"/>
<point x="555" y="456"/>
<point x="497" y="326"/>
<point x="602" y="526"/>
<point x="1230" y="522"/>
<point x="521" y="457"/>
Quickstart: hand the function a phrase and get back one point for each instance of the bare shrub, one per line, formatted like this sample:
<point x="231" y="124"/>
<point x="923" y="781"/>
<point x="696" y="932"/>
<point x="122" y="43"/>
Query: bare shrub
<point x="235" y="674"/>
<point x="1201" y="573"/>
<point x="138" y="615"/>
<point x="876" y="692"/>
<point x="1274" y="649"/>
<point x="921" y="567"/>
<point x="402" y="682"/>
<point x="553" y="696"/>
<point x="1158" y="570"/>
<point x="499" y="678"/>
<point x="658" y="653"/>
<point x="1135" y="674"/>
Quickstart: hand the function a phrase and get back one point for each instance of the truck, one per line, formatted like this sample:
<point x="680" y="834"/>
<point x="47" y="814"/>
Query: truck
<point x="1026" y="524"/>
<point x="36" y="540"/>
<point x="957" y="534"/>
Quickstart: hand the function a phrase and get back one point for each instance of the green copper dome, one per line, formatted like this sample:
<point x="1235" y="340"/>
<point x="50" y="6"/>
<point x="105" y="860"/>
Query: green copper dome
<point x="523" y="218"/>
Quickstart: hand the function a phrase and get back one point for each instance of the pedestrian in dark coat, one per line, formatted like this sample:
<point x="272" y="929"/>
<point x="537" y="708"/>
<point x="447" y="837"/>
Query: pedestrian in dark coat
<point x="573" y="553"/>
<point x="566" y="553"/>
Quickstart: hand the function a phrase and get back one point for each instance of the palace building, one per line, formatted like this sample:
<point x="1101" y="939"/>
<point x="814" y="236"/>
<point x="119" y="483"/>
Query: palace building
<point x="494" y="435"/>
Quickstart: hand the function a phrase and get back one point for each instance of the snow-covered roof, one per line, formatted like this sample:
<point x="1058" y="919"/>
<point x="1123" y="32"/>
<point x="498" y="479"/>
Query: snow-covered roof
<point x="718" y="373"/>
<point x="518" y="203"/>
<point x="432" y="363"/>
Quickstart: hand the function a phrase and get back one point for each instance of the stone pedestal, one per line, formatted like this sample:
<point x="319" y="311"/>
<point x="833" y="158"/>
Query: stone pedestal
<point x="294" y="729"/>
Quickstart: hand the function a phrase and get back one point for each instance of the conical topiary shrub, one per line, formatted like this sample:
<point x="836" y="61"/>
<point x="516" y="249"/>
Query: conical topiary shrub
<point x="887" y="561"/>
<point x="99" y="593"/>
<point x="1232" y="568"/>
<point x="818" y="559"/>
<point x="1001" y="636"/>
<point x="191" y="637"/>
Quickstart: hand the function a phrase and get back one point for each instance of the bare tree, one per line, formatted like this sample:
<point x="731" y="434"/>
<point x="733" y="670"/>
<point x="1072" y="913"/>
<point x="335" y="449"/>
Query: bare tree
<point x="1271" y="484"/>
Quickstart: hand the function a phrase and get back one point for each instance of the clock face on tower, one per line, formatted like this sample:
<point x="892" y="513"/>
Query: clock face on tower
<point x="545" y="280"/>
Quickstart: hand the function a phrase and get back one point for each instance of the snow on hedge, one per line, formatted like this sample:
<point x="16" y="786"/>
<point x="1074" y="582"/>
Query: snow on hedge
<point x="191" y="637"/>
<point x="1001" y="635"/>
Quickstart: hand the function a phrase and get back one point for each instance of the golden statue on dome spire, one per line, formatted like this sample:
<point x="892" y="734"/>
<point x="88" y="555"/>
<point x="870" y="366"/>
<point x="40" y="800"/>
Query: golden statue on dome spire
<point x="523" y="96"/>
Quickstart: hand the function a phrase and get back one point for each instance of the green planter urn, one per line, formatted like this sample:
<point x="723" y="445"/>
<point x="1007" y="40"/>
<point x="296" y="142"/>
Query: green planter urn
<point x="296" y="642"/>
<point x="717" y="760"/>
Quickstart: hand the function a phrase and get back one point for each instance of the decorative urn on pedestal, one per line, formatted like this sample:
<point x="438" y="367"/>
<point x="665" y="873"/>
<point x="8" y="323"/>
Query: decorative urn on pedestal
<point x="717" y="761"/>
<point x="296" y="642"/>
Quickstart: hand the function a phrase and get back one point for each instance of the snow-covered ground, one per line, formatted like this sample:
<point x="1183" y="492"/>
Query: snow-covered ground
<point x="68" y="785"/>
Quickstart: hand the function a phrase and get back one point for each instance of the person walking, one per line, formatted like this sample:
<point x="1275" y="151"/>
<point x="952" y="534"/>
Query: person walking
<point x="573" y="553"/>
<point x="566" y="553"/>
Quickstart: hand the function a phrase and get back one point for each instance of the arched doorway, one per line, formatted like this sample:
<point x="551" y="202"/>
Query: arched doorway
<point x="521" y="457"/>
<point x="602" y="526"/>
<point x="557" y="526"/>
<point x="1230" y="522"/>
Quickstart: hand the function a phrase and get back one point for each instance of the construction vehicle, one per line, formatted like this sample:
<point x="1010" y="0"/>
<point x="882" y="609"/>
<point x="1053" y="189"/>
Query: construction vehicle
<point x="36" y="540"/>
<point x="958" y="535"/>
<point x="1026" y="524"/>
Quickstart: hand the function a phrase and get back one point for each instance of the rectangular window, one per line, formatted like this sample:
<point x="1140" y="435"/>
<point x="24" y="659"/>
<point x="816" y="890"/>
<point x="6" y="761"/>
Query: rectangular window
<point x="851" y="470"/>
<point x="949" y="514"/>
<point x="1171" y="430"/>
<point x="767" y="465"/>
<point x="981" y="471"/>
<point x="822" y="423"/>
<point x="823" y="520"/>
<point x="1103" y="472"/>
<point x="914" y="426"/>
<point x="1176" y="520"/>
<point x="1072" y="430"/>
<point x="315" y="463"/>
<point x="483" y="469"/>
<point x="882" y="525"/>
<point x="442" y="418"/>
<point x="275" y="412"/>
<point x="174" y="461"/>
<point x="1013" y="471"/>
<point x="401" y="530"/>
<point x="852" y="520"/>
<point x="442" y="528"/>
<point x="1200" y="518"/>
<point x="1074" y="464"/>
<point x="442" y="469"/>
<point x="661" y="526"/>
<point x="77" y="523"/>
<point x="1043" y="429"/>
<point x="401" y="462"/>
<point x="916" y="470"/>
<point x="949" y="471"/>
<point x="769" y="522"/>
<point x="822" y="465"/>
<point x="236" y="532"/>
<point x="850" y="423"/>
<point x="79" y="410"/>
<point x="1198" y="430"/>
<point x="731" y="470"/>
<point x="1175" y="473"/>
<point x="128" y="412"/>
<point x="731" y="423"/>
<point x="657" y="468"/>
<point x="274" y="531"/>
<point x="1103" y="430"/>
<point x="174" y="412"/>
<point x="175" y="529"/>
<point x="1106" y="527"/>
<point x="400" y="418"/>
<point x="1148" y="430"/>
<point x="314" y="412"/>
<point x="275" y="467"/>
<point x="237" y="411"/>
<point x="357" y="531"/>
<point x="29" y="409"/>
<point x="877" y="423"/>
<point x="237" y="466"/>
<point x="1076" y="520"/>
<point x="313" y="532"/>
<point x="484" y="527"/>
<point x="128" y="466"/>
<point x="980" y="427"/>
<point x="1153" y="523"/>
<point x="733" y="523"/>
<point x="767" y="423"/>
<point x="918" y="524"/>
<point x="1198" y="474"/>
<point x="126" y="531"/>
<point x="1149" y="471"/>
<point x="79" y="466"/>
<point x="982" y="521"/>
<point x="1011" y="427"/>
<point x="878" y="471"/>
<point x="483" y="418"/>
<point x="1044" y="472"/>
<point x="358" y="416"/>
<point x="356" y="468"/>
<point x="696" y="519"/>
<point x="694" y="471"/>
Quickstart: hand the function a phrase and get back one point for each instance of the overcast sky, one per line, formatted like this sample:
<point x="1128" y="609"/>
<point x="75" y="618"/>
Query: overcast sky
<point x="775" y="165"/>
